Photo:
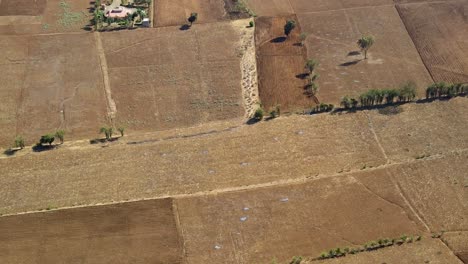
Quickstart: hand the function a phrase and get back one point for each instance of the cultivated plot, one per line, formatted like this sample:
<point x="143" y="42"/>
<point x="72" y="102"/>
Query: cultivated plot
<point x="22" y="7"/>
<point x="280" y="62"/>
<point x="138" y="232"/>
<point x="332" y="38"/>
<point x="430" y="25"/>
<point x="53" y="82"/>
<point x="166" y="78"/>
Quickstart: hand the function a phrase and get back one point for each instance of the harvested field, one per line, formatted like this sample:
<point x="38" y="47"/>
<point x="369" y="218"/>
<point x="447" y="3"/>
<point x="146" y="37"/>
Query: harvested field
<point x="22" y="7"/>
<point x="139" y="232"/>
<point x="280" y="61"/>
<point x="391" y="61"/>
<point x="176" y="12"/>
<point x="166" y="78"/>
<point x="427" y="250"/>
<point x="272" y="8"/>
<point x="282" y="222"/>
<point x="53" y="82"/>
<point x="430" y="25"/>
<point x="52" y="16"/>
<point x="290" y="147"/>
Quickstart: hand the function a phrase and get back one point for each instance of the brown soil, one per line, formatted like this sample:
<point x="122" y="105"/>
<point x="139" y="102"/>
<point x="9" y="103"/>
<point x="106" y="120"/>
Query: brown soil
<point x="427" y="250"/>
<point x="391" y="61"/>
<point x="280" y="61"/>
<point x="165" y="78"/>
<point x="457" y="242"/>
<point x="53" y="82"/>
<point x="140" y="232"/>
<point x="430" y="25"/>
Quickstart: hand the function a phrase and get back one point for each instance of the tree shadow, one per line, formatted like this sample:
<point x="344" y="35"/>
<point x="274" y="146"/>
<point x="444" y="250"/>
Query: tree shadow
<point x="350" y="63"/>
<point x="297" y="44"/>
<point x="39" y="147"/>
<point x="10" y="151"/>
<point x="302" y="76"/>
<point x="278" y="40"/>
<point x="252" y="121"/>
<point x="354" y="53"/>
<point x="184" y="27"/>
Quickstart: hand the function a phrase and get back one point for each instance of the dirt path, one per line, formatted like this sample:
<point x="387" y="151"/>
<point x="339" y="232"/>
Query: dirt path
<point x="248" y="66"/>
<point x="111" y="107"/>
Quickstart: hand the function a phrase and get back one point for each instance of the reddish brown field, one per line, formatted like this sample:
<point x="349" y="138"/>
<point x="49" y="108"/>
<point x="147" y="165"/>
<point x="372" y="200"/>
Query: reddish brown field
<point x="165" y="78"/>
<point x="430" y="25"/>
<point x="332" y="41"/>
<point x="52" y="82"/>
<point x="22" y="7"/>
<point x="176" y="12"/>
<point x="140" y="232"/>
<point x="43" y="17"/>
<point x="280" y="60"/>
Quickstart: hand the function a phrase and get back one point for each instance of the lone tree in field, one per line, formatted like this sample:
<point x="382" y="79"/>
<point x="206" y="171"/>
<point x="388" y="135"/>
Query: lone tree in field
<point x="289" y="26"/>
<point x="107" y="131"/>
<point x="310" y="65"/>
<point x="60" y="134"/>
<point x="19" y="142"/>
<point x="192" y="18"/>
<point x="365" y="43"/>
<point x="47" y="139"/>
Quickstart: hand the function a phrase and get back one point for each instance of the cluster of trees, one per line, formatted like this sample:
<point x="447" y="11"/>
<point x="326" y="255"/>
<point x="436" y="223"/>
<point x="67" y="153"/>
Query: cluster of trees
<point x="109" y="131"/>
<point x="50" y="138"/>
<point x="442" y="89"/>
<point x="378" y="97"/>
<point x="99" y="17"/>
<point x="322" y="108"/>
<point x="312" y="87"/>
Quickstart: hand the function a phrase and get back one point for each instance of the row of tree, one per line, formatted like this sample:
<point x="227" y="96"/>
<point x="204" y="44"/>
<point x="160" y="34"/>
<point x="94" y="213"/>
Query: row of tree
<point x="442" y="89"/>
<point x="378" y="97"/>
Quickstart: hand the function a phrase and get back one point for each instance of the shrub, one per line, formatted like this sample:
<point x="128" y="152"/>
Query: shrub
<point x="192" y="18"/>
<point x="19" y="142"/>
<point x="274" y="113"/>
<point x="121" y="130"/>
<point x="289" y="26"/>
<point x="258" y="115"/>
<point x="296" y="260"/>
<point x="251" y="24"/>
<point x="107" y="131"/>
<point x="60" y="134"/>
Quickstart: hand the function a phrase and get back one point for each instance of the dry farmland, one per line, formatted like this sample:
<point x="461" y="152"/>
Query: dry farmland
<point x="430" y="25"/>
<point x="192" y="181"/>
<point x="165" y="78"/>
<point x="51" y="82"/>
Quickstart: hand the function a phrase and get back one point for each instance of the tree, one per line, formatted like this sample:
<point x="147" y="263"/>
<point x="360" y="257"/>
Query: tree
<point x="365" y="43"/>
<point x="47" y="139"/>
<point x="302" y="38"/>
<point x="60" y="134"/>
<point x="289" y="26"/>
<point x="407" y="92"/>
<point x="310" y="65"/>
<point x="275" y="112"/>
<point x="107" y="131"/>
<point x="121" y="130"/>
<point x="19" y="142"/>
<point x="345" y="102"/>
<point x="192" y="18"/>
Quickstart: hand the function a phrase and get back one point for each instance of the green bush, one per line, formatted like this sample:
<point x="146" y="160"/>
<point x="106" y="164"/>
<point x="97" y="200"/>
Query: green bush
<point x="258" y="115"/>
